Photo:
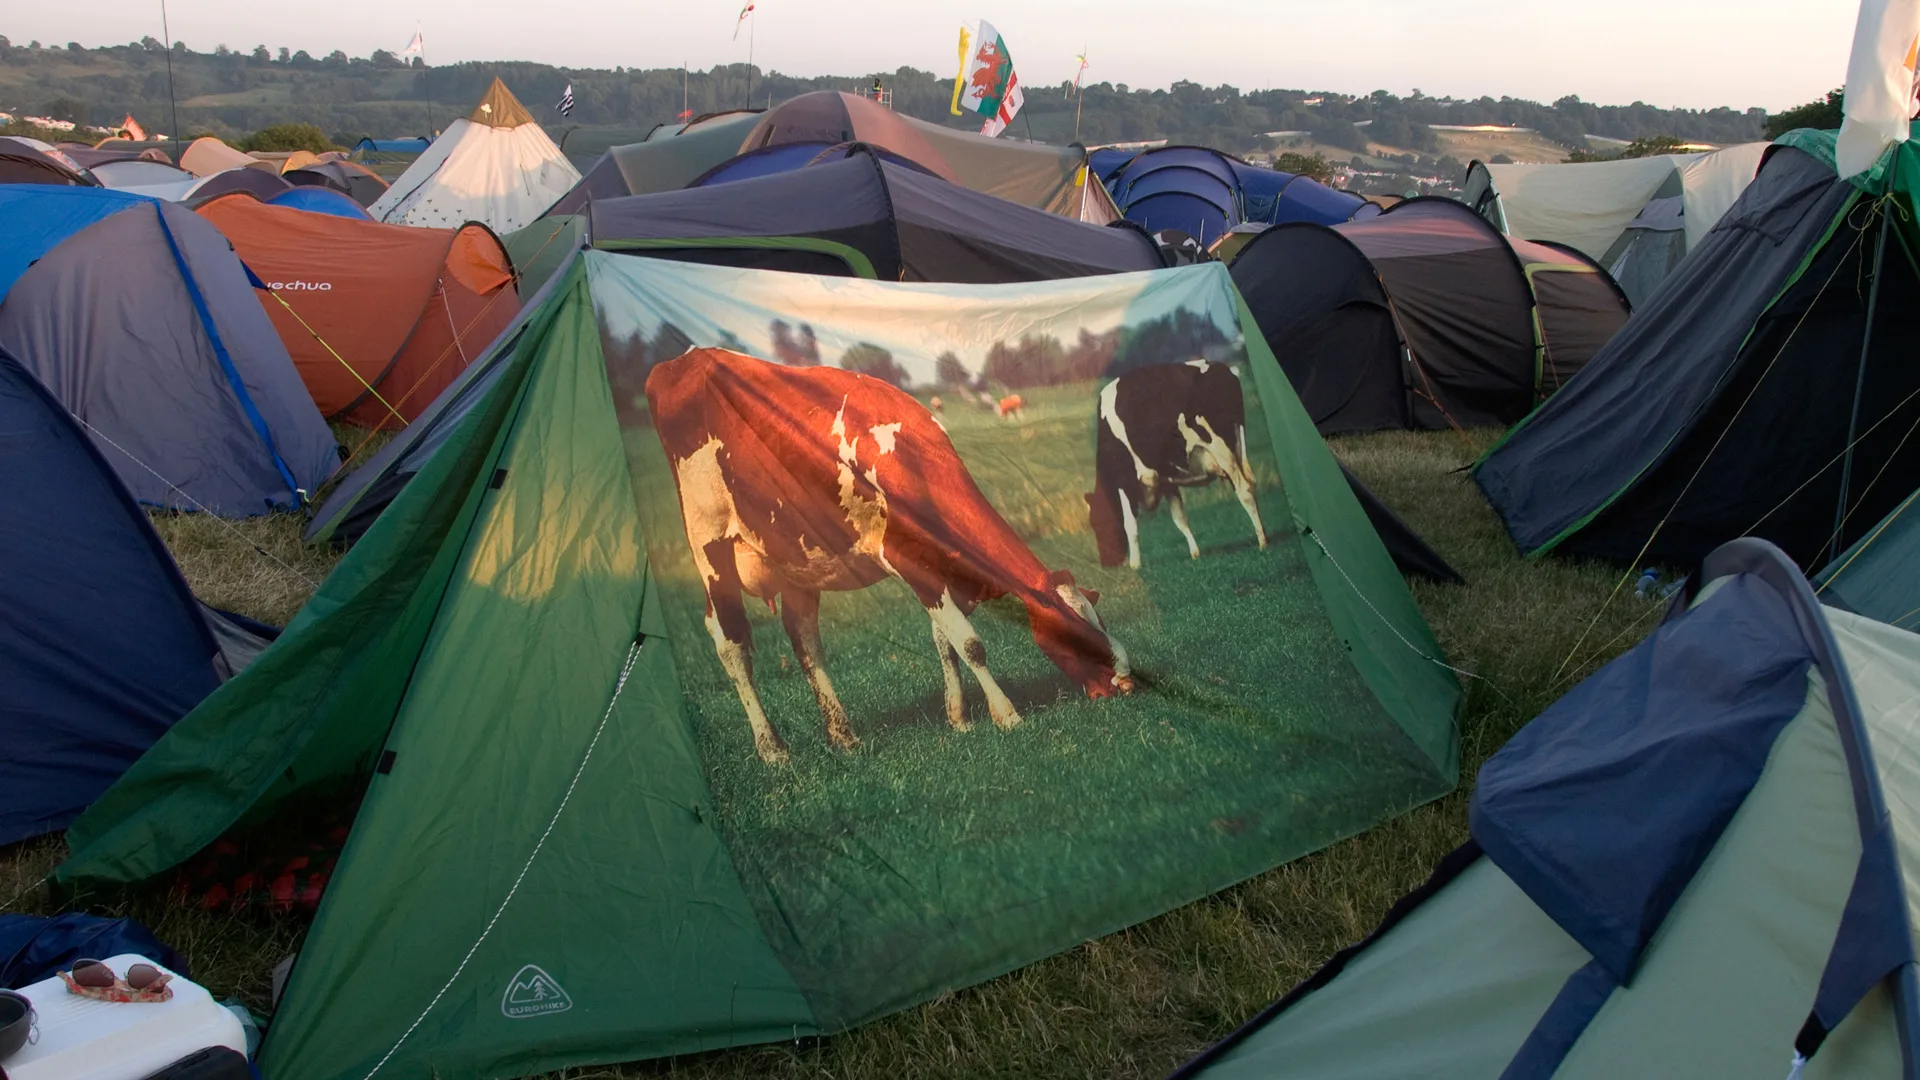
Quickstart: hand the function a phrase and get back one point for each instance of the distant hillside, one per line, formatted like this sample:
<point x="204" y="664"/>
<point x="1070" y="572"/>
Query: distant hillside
<point x="228" y="92"/>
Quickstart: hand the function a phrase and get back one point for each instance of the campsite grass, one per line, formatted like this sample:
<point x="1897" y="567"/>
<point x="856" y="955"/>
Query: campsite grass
<point x="1131" y="1004"/>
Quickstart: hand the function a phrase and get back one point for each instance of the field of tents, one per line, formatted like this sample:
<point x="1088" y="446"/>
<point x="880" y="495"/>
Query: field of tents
<point x="818" y="592"/>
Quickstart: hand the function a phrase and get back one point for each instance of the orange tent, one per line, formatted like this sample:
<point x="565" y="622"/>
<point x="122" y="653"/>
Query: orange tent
<point x="379" y="318"/>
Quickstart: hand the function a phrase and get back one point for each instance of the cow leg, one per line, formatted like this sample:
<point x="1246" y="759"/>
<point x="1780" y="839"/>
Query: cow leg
<point x="1132" y="526"/>
<point x="1177" y="506"/>
<point x="953" y="623"/>
<point x="1225" y="462"/>
<point x="733" y="641"/>
<point x="800" y="614"/>
<point x="950" y="672"/>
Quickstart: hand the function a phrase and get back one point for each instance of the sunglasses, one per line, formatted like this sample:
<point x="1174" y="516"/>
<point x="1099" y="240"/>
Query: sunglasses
<point x="96" y="975"/>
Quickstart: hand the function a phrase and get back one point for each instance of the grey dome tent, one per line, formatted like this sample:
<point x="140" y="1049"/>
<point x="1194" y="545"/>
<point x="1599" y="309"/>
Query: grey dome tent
<point x="1698" y="863"/>
<point x="137" y="316"/>
<point x="1423" y="316"/>
<point x="862" y="216"/>
<point x="1727" y="406"/>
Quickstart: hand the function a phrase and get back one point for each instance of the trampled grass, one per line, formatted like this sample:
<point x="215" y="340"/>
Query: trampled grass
<point x="1130" y="1004"/>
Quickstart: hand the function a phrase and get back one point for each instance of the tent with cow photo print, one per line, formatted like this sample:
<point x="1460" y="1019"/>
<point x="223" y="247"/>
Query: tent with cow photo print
<point x="760" y="654"/>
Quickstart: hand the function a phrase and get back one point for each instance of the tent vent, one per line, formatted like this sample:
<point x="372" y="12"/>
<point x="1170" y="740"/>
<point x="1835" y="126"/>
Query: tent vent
<point x="499" y="479"/>
<point x="386" y="763"/>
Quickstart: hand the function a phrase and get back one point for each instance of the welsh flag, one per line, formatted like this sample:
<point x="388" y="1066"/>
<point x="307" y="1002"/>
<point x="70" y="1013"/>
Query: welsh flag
<point x="987" y="84"/>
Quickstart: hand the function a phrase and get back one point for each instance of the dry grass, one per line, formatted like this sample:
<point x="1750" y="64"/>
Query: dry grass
<point x="1136" y="1003"/>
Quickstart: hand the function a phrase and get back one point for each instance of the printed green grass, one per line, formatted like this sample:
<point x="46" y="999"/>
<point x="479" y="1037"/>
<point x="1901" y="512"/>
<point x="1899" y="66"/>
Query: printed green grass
<point x="1132" y="1004"/>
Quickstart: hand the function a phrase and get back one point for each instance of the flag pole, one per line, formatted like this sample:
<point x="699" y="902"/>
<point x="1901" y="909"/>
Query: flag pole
<point x="750" y="25"/>
<point x="1866" y="345"/>
<point x="173" y="104"/>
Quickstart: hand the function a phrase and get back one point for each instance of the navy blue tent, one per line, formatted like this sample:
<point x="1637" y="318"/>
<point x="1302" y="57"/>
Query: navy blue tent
<point x="102" y="645"/>
<point x="141" y="321"/>
<point x="1695" y="864"/>
<point x="1272" y="197"/>
<point x="321" y="200"/>
<point x="392" y="146"/>
<point x="786" y="157"/>
<point x="1205" y="193"/>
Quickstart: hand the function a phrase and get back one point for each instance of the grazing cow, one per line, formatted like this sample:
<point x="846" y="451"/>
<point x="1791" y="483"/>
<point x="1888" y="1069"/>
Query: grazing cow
<point x="1162" y="428"/>
<point x="1010" y="407"/>
<point x="795" y="481"/>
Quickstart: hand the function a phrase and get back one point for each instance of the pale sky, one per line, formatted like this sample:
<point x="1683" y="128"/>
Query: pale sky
<point x="1691" y="53"/>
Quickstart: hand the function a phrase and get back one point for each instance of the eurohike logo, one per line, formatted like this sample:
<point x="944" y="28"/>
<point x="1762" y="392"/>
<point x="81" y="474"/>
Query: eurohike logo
<point x="533" y="993"/>
<point x="299" y="286"/>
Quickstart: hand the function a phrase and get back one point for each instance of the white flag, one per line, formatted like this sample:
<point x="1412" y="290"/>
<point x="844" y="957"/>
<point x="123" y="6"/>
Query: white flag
<point x="1880" y="83"/>
<point x="416" y="47"/>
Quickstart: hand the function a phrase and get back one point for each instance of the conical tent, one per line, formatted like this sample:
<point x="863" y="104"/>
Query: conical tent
<point x="495" y="166"/>
<point x="378" y="318"/>
<point x="1423" y="317"/>
<point x="102" y="647"/>
<point x="1699" y="863"/>
<point x="563" y="782"/>
<point x="138" y="318"/>
<point x="859" y="216"/>
<point x="1726" y="407"/>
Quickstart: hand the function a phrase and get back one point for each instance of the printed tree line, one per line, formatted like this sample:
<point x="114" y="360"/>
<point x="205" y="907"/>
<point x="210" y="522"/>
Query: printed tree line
<point x="1032" y="360"/>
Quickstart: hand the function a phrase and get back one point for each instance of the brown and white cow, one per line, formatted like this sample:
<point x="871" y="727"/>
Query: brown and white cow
<point x="798" y="481"/>
<point x="1162" y="428"/>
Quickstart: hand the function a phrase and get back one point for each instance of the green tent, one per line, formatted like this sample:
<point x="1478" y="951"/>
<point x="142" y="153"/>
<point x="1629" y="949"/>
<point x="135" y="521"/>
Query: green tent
<point x="1702" y="862"/>
<point x="540" y="249"/>
<point x="572" y="848"/>
<point x="1880" y="575"/>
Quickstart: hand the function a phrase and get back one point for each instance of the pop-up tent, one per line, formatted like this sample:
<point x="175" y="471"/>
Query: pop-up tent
<point x="139" y="172"/>
<point x="355" y="181"/>
<point x="859" y="216"/>
<point x="103" y="647"/>
<point x="1423" y="317"/>
<point x="515" y="667"/>
<point x="378" y="318"/>
<point x="138" y="318"/>
<point x="1736" y="400"/>
<point x="1205" y="194"/>
<point x="494" y="166"/>
<point x="1637" y="216"/>
<point x="1051" y="178"/>
<point x="208" y="155"/>
<point x="320" y="200"/>
<point x="1700" y="862"/>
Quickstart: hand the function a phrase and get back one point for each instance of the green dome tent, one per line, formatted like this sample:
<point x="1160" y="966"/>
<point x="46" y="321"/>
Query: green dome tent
<point x="1700" y="862"/>
<point x="606" y="816"/>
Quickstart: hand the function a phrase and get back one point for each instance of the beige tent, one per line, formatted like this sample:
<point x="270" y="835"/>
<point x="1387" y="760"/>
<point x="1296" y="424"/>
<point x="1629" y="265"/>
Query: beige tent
<point x="208" y="155"/>
<point x="495" y="166"/>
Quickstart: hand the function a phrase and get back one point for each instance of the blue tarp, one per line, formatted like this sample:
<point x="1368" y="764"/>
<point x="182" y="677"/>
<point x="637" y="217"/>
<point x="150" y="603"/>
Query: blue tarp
<point x="37" y="217"/>
<point x="33" y="948"/>
<point x="102" y="645"/>
<point x="321" y="200"/>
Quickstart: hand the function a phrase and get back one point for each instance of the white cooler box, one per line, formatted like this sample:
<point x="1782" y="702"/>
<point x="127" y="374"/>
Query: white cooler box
<point x="84" y="1039"/>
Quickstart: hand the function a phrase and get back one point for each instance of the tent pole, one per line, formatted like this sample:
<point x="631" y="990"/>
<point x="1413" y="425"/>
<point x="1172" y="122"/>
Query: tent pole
<point x="172" y="104"/>
<point x="1860" y="375"/>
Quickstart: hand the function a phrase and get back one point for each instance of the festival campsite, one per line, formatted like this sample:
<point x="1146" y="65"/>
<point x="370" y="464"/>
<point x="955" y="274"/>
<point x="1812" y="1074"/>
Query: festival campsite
<point x="518" y="571"/>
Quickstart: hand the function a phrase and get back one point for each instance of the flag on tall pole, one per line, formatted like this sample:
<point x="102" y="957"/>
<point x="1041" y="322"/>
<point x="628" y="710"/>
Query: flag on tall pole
<point x="416" y="47"/>
<point x="1881" y="83"/>
<point x="1080" y="71"/>
<point x="741" y="21"/>
<point x="988" y="85"/>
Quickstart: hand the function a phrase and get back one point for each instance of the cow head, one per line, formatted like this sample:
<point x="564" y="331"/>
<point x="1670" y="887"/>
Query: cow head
<point x="1069" y="631"/>
<point x="1109" y="532"/>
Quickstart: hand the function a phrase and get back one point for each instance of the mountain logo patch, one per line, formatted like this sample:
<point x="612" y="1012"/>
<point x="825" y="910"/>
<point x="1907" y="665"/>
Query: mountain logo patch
<point x="533" y="992"/>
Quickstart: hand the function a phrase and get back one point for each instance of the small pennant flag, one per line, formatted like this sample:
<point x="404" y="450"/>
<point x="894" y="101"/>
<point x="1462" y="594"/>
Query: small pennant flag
<point x="744" y="12"/>
<point x="133" y="129"/>
<point x="1881" y="83"/>
<point x="1081" y="71"/>
<point x="416" y="47"/>
<point x="566" y="101"/>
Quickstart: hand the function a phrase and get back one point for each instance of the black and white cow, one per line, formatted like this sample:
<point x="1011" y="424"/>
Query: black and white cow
<point x="1163" y="428"/>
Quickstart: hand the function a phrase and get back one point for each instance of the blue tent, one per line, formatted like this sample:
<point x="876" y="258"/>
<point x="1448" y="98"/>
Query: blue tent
<point x="321" y="200"/>
<point x="392" y="146"/>
<point x="139" y="319"/>
<point x="1205" y="193"/>
<point x="102" y="646"/>
<point x="1272" y="197"/>
<point x="786" y="157"/>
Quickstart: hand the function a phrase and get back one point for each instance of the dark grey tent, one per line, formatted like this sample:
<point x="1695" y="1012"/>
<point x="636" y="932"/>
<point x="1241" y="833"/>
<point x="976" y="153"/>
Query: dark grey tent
<point x="1727" y="406"/>
<point x="1652" y="244"/>
<point x="21" y="163"/>
<point x="138" y="317"/>
<point x="1423" y="316"/>
<point x="860" y="216"/>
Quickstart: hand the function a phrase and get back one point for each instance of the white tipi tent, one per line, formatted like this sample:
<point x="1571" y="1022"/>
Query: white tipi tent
<point x="495" y="166"/>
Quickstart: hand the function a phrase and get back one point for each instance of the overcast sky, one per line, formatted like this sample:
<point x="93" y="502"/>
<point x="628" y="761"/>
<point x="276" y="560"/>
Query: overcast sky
<point x="1692" y="53"/>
